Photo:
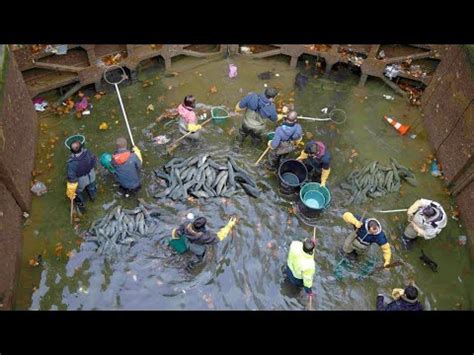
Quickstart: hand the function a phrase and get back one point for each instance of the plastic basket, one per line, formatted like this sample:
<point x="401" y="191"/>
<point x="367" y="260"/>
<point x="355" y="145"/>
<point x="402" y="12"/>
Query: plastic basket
<point x="71" y="139"/>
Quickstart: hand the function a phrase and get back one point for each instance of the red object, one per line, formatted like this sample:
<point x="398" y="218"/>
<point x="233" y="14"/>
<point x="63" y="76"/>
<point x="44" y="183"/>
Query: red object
<point x="82" y="105"/>
<point x="121" y="158"/>
<point x="402" y="129"/>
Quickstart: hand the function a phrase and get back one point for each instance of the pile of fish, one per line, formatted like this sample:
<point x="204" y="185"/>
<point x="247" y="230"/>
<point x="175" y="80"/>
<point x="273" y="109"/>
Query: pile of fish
<point x="201" y="177"/>
<point x="376" y="180"/>
<point x="120" y="228"/>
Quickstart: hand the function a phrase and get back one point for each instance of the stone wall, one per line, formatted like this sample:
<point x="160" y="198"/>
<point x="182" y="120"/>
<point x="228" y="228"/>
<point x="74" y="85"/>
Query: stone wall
<point x="18" y="135"/>
<point x="448" y="115"/>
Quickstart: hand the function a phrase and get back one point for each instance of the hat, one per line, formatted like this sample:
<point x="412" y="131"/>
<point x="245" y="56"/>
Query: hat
<point x="271" y="92"/>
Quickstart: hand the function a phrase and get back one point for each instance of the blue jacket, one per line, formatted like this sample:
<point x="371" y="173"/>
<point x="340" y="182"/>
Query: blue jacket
<point x="259" y="103"/>
<point x="398" y="305"/>
<point x="318" y="164"/>
<point x="127" y="172"/>
<point x="287" y="132"/>
<point x="81" y="165"/>
<point x="365" y="238"/>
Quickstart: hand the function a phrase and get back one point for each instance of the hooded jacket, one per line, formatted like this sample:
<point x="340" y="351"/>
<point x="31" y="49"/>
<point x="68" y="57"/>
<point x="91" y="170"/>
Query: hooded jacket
<point x="260" y="104"/>
<point x="127" y="167"/>
<point x="79" y="165"/>
<point x="187" y="114"/>
<point x="301" y="264"/>
<point x="365" y="239"/>
<point x="287" y="132"/>
<point x="402" y="304"/>
<point x="426" y="227"/>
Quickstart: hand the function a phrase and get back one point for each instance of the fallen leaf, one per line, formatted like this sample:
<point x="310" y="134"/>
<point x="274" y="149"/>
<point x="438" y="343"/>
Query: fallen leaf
<point x="213" y="89"/>
<point x="98" y="96"/>
<point x="150" y="107"/>
<point x="103" y="126"/>
<point x="33" y="262"/>
<point x="309" y="135"/>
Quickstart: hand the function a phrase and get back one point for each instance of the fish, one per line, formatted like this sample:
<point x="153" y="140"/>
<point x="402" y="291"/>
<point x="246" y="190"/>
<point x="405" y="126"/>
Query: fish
<point x="231" y="177"/>
<point x="220" y="185"/>
<point x="427" y="261"/>
<point x="250" y="190"/>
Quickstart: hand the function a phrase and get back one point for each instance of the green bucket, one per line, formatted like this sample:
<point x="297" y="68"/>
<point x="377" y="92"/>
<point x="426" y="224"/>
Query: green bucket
<point x="313" y="194"/>
<point x="72" y="139"/>
<point x="314" y="200"/>
<point x="219" y="113"/>
<point x="270" y="135"/>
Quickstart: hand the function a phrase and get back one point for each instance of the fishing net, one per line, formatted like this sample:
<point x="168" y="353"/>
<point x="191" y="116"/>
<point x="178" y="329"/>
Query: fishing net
<point x="115" y="74"/>
<point x="338" y="116"/>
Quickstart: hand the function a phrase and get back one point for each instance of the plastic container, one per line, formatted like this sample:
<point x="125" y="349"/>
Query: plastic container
<point x="292" y="174"/>
<point x="39" y="188"/>
<point x="314" y="191"/>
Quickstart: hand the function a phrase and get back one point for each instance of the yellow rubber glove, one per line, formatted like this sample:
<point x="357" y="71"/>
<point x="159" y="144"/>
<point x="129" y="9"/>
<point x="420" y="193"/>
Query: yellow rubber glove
<point x="302" y="156"/>
<point x="237" y="107"/>
<point x="138" y="152"/>
<point x="224" y="232"/>
<point x="349" y="218"/>
<point x="397" y="293"/>
<point x="387" y="254"/>
<point x="71" y="188"/>
<point x="324" y="176"/>
<point x="269" y="144"/>
<point x="194" y="127"/>
<point x="280" y="116"/>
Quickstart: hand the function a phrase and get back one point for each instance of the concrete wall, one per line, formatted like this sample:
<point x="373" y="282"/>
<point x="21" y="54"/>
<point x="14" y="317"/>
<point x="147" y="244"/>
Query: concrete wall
<point x="448" y="108"/>
<point x="18" y="135"/>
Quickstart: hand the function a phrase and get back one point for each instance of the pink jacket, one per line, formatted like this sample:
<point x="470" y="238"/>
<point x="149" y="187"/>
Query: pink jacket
<point x="187" y="114"/>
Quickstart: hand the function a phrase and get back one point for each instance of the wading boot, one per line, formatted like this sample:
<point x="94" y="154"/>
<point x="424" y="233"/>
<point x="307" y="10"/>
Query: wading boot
<point x="407" y="242"/>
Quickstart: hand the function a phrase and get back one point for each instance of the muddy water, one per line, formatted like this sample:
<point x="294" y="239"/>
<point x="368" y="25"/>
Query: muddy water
<point x="244" y="271"/>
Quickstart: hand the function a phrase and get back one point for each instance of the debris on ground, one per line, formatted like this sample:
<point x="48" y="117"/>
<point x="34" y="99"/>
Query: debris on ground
<point x="120" y="228"/>
<point x="40" y="104"/>
<point x="376" y="180"/>
<point x="213" y="89"/>
<point x="160" y="139"/>
<point x="245" y="50"/>
<point x="150" y="107"/>
<point x="389" y="97"/>
<point x="232" y="71"/>
<point x="435" y="168"/>
<point x="318" y="47"/>
<point x="39" y="188"/>
<point x="202" y="177"/>
<point x="462" y="240"/>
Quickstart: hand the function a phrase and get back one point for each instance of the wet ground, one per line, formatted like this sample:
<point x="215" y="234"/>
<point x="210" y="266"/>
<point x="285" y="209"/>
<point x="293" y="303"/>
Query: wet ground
<point x="244" y="271"/>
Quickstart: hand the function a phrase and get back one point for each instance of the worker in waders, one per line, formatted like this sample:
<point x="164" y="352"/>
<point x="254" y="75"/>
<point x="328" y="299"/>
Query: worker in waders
<point x="404" y="300"/>
<point x="285" y="140"/>
<point x="368" y="231"/>
<point x="126" y="167"/>
<point x="195" y="237"/>
<point x="426" y="219"/>
<point x="80" y="174"/>
<point x="188" y="121"/>
<point x="258" y="108"/>
<point x="317" y="159"/>
<point x="300" y="266"/>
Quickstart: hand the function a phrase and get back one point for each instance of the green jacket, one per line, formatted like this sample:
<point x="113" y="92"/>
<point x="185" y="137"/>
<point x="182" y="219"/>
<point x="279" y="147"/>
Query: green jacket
<point x="301" y="264"/>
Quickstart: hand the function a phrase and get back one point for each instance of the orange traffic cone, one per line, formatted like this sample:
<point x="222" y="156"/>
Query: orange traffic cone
<point x="402" y="129"/>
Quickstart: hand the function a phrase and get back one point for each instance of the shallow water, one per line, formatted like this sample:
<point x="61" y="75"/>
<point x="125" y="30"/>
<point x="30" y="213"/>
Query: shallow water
<point x="244" y="271"/>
